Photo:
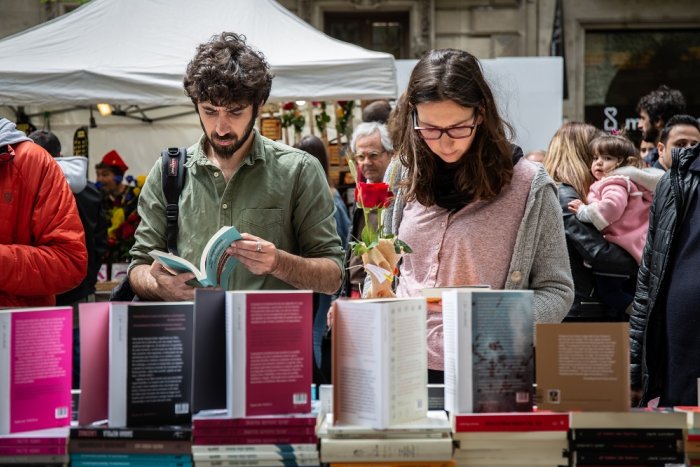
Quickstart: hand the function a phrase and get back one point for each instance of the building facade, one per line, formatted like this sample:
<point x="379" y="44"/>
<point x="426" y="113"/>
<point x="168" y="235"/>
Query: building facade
<point x="615" y="50"/>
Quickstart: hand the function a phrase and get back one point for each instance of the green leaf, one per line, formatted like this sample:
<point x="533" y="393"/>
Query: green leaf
<point x="401" y="246"/>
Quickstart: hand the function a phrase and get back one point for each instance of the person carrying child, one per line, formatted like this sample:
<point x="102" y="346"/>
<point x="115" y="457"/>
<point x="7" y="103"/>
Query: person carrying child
<point x="618" y="206"/>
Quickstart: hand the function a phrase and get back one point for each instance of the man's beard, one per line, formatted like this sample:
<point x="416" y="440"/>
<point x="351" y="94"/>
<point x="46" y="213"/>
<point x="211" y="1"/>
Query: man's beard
<point x="226" y="152"/>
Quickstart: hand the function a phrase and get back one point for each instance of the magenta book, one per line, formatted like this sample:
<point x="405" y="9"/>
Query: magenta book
<point x="94" y="362"/>
<point x="268" y="359"/>
<point x="35" y="368"/>
<point x="510" y="421"/>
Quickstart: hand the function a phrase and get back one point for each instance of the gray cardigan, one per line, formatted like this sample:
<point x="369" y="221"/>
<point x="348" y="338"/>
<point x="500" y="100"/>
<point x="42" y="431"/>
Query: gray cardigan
<point x="540" y="260"/>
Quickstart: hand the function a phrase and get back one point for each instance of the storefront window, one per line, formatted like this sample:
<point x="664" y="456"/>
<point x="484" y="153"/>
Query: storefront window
<point x="622" y="66"/>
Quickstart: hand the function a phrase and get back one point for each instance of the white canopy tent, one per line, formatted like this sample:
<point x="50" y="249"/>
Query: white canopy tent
<point x="134" y="52"/>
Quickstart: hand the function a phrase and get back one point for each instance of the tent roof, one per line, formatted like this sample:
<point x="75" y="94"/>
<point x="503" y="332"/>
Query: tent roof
<point x="134" y="52"/>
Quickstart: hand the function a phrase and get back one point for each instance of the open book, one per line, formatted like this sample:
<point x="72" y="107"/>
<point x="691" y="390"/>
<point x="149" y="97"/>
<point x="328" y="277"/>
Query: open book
<point x="215" y="266"/>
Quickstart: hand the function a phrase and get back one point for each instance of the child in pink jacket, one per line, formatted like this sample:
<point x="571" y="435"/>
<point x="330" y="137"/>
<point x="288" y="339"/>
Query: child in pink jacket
<point x="618" y="205"/>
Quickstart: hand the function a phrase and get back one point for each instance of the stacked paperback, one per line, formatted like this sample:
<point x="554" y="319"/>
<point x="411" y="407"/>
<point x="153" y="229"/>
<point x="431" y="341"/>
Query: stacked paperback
<point x="510" y="438"/>
<point x="40" y="447"/>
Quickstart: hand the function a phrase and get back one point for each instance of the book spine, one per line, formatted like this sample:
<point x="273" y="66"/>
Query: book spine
<point x="35" y="459"/>
<point x="629" y="434"/>
<point x="253" y="422"/>
<point x="57" y="441"/>
<point x="393" y="464"/>
<point x="130" y="457"/>
<point x="385" y="449"/>
<point x="129" y="446"/>
<point x="265" y="463"/>
<point x="255" y="448"/>
<point x="617" y="458"/>
<point x="152" y="434"/>
<point x="27" y="450"/>
<point x="512" y="422"/>
<point x="288" y="439"/>
<point x="283" y="431"/>
<point x="615" y="446"/>
<point x="5" y="379"/>
<point x="256" y="456"/>
<point x="117" y="365"/>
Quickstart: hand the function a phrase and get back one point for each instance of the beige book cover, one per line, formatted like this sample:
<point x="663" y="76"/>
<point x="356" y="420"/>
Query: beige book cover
<point x="583" y="366"/>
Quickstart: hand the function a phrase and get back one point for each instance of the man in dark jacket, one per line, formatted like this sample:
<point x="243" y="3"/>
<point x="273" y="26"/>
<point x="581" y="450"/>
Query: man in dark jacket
<point x="664" y="335"/>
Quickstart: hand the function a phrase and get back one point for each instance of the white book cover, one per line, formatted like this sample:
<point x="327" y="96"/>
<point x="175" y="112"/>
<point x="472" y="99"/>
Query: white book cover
<point x="488" y="345"/>
<point x="380" y="362"/>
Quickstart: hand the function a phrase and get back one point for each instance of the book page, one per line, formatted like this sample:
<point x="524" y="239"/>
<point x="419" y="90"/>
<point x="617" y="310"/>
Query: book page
<point x="356" y="363"/>
<point x="174" y="264"/>
<point x="408" y="361"/>
<point x="215" y="263"/>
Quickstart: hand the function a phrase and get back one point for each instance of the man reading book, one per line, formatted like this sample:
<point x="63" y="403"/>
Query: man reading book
<point x="276" y="196"/>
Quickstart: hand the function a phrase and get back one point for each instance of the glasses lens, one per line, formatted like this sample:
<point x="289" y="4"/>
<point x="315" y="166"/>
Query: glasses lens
<point x="460" y="132"/>
<point x="373" y="156"/>
<point x="430" y="133"/>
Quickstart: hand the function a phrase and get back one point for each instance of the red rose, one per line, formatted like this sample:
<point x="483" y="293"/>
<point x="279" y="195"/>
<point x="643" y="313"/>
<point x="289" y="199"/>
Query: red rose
<point x="288" y="106"/>
<point x="374" y="195"/>
<point x="133" y="218"/>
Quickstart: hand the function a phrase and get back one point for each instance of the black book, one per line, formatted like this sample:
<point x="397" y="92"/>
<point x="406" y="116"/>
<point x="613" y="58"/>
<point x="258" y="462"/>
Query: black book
<point x="626" y="458"/>
<point x="625" y="434"/>
<point x="628" y="445"/>
<point x="209" y="392"/>
<point x="150" y="364"/>
<point x="156" y="433"/>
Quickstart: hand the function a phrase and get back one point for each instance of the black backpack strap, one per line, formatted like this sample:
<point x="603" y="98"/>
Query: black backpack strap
<point x="173" y="165"/>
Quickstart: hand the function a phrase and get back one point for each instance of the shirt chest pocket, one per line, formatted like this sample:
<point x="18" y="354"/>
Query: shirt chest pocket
<point x="263" y="223"/>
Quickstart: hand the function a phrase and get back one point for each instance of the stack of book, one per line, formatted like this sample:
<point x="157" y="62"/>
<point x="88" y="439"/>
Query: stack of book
<point x="638" y="437"/>
<point x="289" y="440"/>
<point x="510" y="438"/>
<point x="692" y="439"/>
<point x="166" y="446"/>
<point x="425" y="442"/>
<point x="47" y="447"/>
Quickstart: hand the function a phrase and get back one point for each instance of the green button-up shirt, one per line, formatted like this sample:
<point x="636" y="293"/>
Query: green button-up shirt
<point x="279" y="194"/>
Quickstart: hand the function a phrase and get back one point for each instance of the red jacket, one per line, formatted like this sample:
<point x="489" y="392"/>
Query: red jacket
<point x="42" y="242"/>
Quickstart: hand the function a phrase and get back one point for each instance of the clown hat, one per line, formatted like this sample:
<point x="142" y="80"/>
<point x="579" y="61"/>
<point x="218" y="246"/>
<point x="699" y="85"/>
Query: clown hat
<point x="114" y="160"/>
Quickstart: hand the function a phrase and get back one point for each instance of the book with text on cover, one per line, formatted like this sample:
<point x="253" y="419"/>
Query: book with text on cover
<point x="489" y="357"/>
<point x="583" y="366"/>
<point x="35" y="368"/>
<point x="380" y="362"/>
<point x="268" y="352"/>
<point x="150" y="363"/>
<point x="215" y="266"/>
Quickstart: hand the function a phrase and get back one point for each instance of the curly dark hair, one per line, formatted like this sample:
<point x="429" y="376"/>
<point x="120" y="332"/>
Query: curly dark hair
<point x="226" y="70"/>
<point x="456" y="75"/>
<point x="662" y="104"/>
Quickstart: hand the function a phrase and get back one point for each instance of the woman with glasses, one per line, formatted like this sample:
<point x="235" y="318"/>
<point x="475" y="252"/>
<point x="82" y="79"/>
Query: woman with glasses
<point x="472" y="208"/>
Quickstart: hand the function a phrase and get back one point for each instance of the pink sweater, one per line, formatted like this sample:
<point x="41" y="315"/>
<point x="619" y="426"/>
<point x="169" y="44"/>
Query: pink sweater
<point x="471" y="246"/>
<point x="618" y="206"/>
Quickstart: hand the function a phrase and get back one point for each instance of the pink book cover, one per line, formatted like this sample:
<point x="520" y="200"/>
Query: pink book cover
<point x="33" y="450"/>
<point x="278" y="360"/>
<point x="49" y="436"/>
<point x="94" y="362"/>
<point x="40" y="365"/>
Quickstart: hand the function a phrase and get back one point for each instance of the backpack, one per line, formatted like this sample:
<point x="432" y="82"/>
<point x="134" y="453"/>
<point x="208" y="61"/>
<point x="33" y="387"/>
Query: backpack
<point x="172" y="161"/>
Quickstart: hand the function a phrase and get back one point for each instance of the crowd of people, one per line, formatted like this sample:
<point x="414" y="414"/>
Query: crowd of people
<point x="599" y="228"/>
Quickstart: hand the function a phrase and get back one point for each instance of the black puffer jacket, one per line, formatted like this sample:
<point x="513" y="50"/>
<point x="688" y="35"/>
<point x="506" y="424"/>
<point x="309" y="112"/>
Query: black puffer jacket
<point x="646" y="323"/>
<point x="588" y="252"/>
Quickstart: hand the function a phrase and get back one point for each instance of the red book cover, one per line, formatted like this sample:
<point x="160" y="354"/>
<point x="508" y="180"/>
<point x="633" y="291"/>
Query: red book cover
<point x="268" y="361"/>
<point x="510" y="421"/>
<point x="94" y="362"/>
<point x="35" y="368"/>
<point x="291" y="420"/>
<point x="280" y="439"/>
<point x="255" y="431"/>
